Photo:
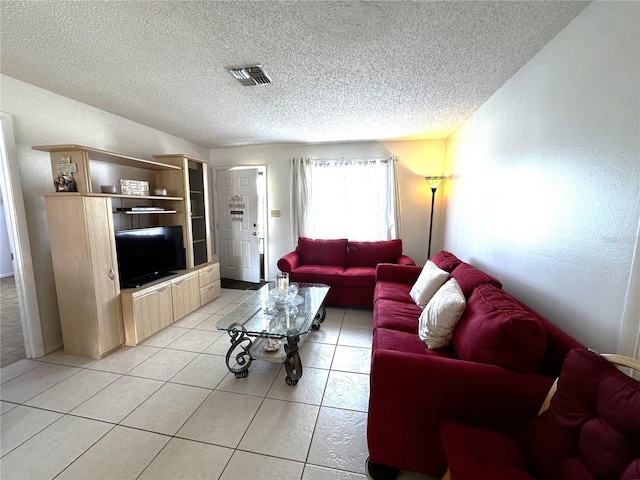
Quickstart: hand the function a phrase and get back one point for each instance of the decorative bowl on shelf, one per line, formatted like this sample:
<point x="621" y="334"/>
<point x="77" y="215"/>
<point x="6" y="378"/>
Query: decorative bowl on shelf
<point x="271" y="345"/>
<point x="108" y="189"/>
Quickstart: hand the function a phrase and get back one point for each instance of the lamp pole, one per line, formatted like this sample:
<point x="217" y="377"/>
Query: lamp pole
<point x="433" y="181"/>
<point x="433" y="202"/>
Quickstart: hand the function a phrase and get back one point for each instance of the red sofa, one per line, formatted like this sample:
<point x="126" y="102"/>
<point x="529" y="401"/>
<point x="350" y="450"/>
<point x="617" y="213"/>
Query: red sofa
<point x="502" y="361"/>
<point x="348" y="267"/>
<point x="590" y="431"/>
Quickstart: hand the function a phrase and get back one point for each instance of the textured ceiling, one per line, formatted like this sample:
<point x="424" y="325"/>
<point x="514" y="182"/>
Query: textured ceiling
<point x="341" y="71"/>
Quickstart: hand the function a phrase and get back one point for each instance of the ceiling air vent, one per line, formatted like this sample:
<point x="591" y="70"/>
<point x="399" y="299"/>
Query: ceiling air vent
<point x="250" y="76"/>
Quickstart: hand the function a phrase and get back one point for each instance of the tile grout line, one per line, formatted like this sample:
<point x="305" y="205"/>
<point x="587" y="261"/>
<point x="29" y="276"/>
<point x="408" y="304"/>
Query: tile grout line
<point x="263" y="397"/>
<point x="85" y="451"/>
<point x="324" y="391"/>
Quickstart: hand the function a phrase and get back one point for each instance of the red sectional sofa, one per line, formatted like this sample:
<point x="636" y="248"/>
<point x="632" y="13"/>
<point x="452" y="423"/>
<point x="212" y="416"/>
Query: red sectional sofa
<point x="348" y="267"/>
<point x="591" y="430"/>
<point x="497" y="371"/>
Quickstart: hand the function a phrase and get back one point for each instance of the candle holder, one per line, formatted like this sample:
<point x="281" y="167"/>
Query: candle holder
<point x="282" y="283"/>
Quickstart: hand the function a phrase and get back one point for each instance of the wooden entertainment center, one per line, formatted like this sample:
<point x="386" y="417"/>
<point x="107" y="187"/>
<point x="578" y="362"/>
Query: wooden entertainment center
<point x="96" y="315"/>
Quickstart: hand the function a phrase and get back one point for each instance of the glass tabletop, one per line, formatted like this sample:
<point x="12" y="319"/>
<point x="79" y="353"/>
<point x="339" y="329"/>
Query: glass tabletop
<point x="267" y="313"/>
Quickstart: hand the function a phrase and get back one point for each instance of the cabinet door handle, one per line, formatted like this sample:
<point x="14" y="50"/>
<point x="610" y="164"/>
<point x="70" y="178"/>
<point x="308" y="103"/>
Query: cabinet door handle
<point x="112" y="273"/>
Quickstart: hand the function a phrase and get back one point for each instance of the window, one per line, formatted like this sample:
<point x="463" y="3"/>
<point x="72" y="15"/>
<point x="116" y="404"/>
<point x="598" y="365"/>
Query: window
<point x="354" y="199"/>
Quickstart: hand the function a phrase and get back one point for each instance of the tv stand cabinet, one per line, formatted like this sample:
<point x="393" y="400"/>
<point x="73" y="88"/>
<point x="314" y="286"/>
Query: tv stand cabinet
<point x="150" y="308"/>
<point x="96" y="317"/>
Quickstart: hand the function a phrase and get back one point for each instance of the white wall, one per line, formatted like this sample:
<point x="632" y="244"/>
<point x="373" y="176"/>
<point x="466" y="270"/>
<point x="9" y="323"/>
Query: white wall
<point x="546" y="186"/>
<point x="415" y="160"/>
<point x="44" y="118"/>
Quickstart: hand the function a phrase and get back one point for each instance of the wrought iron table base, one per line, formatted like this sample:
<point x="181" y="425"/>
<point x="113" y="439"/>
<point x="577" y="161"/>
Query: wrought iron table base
<point x="243" y="357"/>
<point x="242" y="341"/>
<point x="319" y="318"/>
<point x="292" y="364"/>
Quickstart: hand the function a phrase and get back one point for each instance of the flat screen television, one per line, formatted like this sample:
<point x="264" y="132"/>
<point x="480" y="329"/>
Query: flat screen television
<point x="146" y="254"/>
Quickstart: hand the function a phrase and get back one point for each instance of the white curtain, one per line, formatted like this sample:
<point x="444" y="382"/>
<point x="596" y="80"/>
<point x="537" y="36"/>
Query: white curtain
<point x="395" y="227"/>
<point x="345" y="198"/>
<point x="299" y="197"/>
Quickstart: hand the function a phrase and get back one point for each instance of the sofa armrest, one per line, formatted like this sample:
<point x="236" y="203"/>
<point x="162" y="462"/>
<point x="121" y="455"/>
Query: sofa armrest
<point x="405" y="260"/>
<point x="391" y="272"/>
<point x="289" y="262"/>
<point x="465" y="388"/>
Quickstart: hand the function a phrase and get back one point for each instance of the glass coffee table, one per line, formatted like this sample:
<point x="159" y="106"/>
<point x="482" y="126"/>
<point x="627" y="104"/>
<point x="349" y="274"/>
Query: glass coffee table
<point x="270" y="326"/>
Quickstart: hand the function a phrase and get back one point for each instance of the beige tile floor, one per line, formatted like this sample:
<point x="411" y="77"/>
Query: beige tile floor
<point x="170" y="408"/>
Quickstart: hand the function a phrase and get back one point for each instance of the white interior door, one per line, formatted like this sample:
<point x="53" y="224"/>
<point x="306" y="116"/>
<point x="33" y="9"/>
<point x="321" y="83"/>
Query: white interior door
<point x="237" y="195"/>
<point x="16" y="218"/>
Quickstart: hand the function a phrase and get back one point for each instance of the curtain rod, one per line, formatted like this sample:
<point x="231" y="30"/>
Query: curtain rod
<point x="345" y="159"/>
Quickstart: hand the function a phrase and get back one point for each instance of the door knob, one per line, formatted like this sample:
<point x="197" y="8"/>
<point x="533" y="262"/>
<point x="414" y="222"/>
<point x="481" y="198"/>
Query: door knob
<point x="254" y="233"/>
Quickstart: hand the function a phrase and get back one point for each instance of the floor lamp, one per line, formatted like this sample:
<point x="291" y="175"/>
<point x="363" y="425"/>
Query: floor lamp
<point x="433" y="182"/>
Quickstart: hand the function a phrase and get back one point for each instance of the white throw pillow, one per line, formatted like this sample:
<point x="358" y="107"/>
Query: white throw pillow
<point x="429" y="281"/>
<point x="441" y="315"/>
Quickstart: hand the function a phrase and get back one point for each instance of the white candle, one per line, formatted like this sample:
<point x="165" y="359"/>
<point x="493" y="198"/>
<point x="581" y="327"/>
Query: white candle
<point x="283" y="283"/>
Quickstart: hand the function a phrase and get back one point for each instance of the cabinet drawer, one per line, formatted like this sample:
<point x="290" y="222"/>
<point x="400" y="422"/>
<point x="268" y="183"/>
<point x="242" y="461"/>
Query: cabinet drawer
<point x="210" y="292"/>
<point x="147" y="313"/>
<point x="185" y="292"/>
<point x="209" y="274"/>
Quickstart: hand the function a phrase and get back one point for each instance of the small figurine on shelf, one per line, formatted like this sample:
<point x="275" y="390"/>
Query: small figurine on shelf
<point x="64" y="183"/>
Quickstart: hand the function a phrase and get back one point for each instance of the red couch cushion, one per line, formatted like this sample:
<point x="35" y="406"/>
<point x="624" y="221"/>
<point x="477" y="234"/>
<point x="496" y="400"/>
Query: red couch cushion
<point x="592" y="424"/>
<point x="361" y="254"/>
<point x="409" y="343"/>
<point x="359" y="277"/>
<point x="497" y="330"/>
<point x="469" y="277"/>
<point x="632" y="472"/>
<point x="327" y="274"/>
<point x="393" y="291"/>
<point x="389" y="272"/>
<point x="323" y="252"/>
<point x="396" y="315"/>
<point x="445" y="260"/>
<point x="559" y="344"/>
<point x="480" y="454"/>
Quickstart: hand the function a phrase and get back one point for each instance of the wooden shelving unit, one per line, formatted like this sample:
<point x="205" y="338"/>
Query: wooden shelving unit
<point x="96" y="316"/>
<point x="196" y="188"/>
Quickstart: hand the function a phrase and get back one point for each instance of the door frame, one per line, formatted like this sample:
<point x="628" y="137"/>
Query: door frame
<point x="17" y="231"/>
<point x="262" y="191"/>
<point x="629" y="337"/>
